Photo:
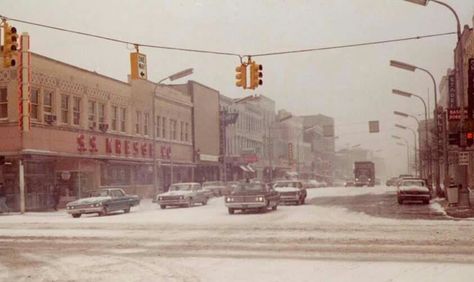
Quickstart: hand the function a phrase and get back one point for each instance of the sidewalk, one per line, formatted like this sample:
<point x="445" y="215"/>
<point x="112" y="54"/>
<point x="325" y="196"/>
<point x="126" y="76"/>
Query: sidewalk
<point x="455" y="211"/>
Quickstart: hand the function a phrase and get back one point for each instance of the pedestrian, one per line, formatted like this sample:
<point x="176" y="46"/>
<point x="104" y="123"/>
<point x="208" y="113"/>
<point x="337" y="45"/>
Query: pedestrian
<point x="56" y="197"/>
<point x="3" y="200"/>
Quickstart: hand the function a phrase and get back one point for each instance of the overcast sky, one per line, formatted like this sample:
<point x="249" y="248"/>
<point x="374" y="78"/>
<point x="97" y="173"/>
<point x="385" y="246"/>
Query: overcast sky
<point x="352" y="85"/>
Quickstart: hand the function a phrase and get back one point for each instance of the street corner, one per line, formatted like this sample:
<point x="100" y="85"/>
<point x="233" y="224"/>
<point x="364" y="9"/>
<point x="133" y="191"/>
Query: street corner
<point x="458" y="212"/>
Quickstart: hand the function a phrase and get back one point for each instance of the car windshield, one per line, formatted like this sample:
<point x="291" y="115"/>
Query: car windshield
<point x="287" y="184"/>
<point x="212" y="183"/>
<point x="100" y="193"/>
<point x="181" y="187"/>
<point x="413" y="183"/>
<point x="250" y="187"/>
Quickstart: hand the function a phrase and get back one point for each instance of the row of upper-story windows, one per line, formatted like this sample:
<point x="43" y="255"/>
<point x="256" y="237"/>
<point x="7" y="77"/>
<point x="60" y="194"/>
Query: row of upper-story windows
<point x="71" y="112"/>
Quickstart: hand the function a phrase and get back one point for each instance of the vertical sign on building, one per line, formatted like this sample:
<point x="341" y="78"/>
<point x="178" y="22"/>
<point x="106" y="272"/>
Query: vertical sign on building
<point x="452" y="103"/>
<point x="138" y="66"/>
<point x="24" y="83"/>
<point x="470" y="87"/>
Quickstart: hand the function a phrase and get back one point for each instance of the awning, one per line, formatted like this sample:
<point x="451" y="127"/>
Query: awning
<point x="250" y="168"/>
<point x="244" y="168"/>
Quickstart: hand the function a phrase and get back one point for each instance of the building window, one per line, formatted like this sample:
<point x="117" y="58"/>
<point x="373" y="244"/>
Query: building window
<point x="65" y="108"/>
<point x="3" y="103"/>
<point x="76" y="110"/>
<point x="138" y="122"/>
<point x="186" y="133"/>
<point x="48" y="102"/>
<point x="145" y="123"/>
<point x="34" y="103"/>
<point x="163" y="135"/>
<point x="91" y="110"/>
<point x="101" y="113"/>
<point x="173" y="128"/>
<point x="158" y="126"/>
<point x="123" y="116"/>
<point x="181" y="131"/>
<point x="114" y="118"/>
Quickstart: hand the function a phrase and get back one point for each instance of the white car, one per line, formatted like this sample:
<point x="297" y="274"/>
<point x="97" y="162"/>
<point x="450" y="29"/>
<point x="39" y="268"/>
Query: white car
<point x="291" y="191"/>
<point x="182" y="194"/>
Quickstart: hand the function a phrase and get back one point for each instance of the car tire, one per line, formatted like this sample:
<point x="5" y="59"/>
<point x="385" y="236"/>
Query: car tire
<point x="204" y="202"/>
<point x="104" y="212"/>
<point x="274" y="208"/>
<point x="127" y="210"/>
<point x="400" y="201"/>
<point x="231" y="211"/>
<point x="76" y="215"/>
<point x="426" y="202"/>
<point x="163" y="207"/>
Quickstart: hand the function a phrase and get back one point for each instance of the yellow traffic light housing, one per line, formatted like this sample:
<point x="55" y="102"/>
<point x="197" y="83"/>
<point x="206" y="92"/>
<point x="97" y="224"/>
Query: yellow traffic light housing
<point x="241" y="76"/>
<point x="10" y="45"/>
<point x="256" y="75"/>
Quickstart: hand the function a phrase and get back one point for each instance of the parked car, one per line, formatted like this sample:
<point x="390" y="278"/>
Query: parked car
<point x="214" y="188"/>
<point x="392" y="181"/>
<point x="182" y="195"/>
<point x="291" y="191"/>
<point x="413" y="189"/>
<point x="312" y="183"/>
<point x="252" y="196"/>
<point x="102" y="202"/>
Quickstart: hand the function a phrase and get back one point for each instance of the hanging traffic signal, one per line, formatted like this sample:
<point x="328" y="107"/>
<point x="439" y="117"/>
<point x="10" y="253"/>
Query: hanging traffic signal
<point x="10" y="45"/>
<point x="256" y="75"/>
<point x="241" y="76"/>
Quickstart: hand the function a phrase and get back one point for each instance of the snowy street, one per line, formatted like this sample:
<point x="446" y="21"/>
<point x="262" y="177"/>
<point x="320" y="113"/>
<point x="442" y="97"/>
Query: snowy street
<point x="339" y="234"/>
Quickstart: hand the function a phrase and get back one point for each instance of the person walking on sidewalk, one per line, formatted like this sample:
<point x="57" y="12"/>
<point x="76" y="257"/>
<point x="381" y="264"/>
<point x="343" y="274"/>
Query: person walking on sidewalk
<point x="3" y="200"/>
<point x="56" y="196"/>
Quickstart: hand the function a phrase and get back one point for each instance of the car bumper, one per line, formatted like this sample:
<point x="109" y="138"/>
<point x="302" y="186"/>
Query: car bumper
<point x="414" y="197"/>
<point x="177" y="202"/>
<point x="289" y="199"/>
<point x="85" y="210"/>
<point x="251" y="205"/>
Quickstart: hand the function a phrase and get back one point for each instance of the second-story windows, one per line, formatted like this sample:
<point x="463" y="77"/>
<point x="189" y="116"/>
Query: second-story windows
<point x="91" y="105"/>
<point x="138" y="122"/>
<point x="76" y="110"/>
<point x="145" y="123"/>
<point x="163" y="127"/>
<point x="114" y="118"/>
<point x="101" y="113"/>
<point x="173" y="129"/>
<point x="65" y="108"/>
<point x="34" y="103"/>
<point x="123" y="117"/>
<point x="158" y="126"/>
<point x="48" y="102"/>
<point x="3" y="103"/>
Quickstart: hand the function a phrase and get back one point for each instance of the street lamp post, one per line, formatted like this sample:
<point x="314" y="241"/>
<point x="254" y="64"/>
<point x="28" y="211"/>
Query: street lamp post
<point x="408" y="150"/>
<point x="408" y="153"/>
<point x="459" y="71"/>
<point x="172" y="77"/>
<point x="418" y="122"/>
<point x="414" y="144"/>
<point x="412" y="68"/>
<point x="428" y="148"/>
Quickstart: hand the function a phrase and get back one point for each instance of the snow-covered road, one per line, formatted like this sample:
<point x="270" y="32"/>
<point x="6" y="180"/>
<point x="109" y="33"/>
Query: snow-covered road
<point x="334" y="238"/>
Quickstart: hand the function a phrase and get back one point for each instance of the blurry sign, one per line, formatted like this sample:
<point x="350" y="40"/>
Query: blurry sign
<point x="373" y="126"/>
<point x="452" y="103"/>
<point x="455" y="113"/>
<point x="470" y="87"/>
<point x="463" y="158"/>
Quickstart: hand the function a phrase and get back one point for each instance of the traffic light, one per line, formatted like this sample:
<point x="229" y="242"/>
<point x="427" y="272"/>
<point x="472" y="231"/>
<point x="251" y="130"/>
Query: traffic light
<point x="241" y="76"/>
<point x="469" y="138"/>
<point x="256" y="75"/>
<point x="10" y="45"/>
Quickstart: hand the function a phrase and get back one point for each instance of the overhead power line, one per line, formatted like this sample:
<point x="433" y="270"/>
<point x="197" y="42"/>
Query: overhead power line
<point x="230" y="53"/>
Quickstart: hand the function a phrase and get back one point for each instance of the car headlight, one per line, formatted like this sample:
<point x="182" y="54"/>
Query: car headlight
<point x="181" y="197"/>
<point x="160" y="198"/>
<point x="259" y="199"/>
<point x="229" y="199"/>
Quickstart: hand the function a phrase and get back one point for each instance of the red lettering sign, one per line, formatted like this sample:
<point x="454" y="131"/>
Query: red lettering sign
<point x="135" y="148"/>
<point x="118" y="146"/>
<point x="144" y="149"/>
<point x="92" y="144"/>
<point x="108" y="145"/>
<point x="150" y="150"/>
<point x="127" y="147"/>
<point x="81" y="144"/>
